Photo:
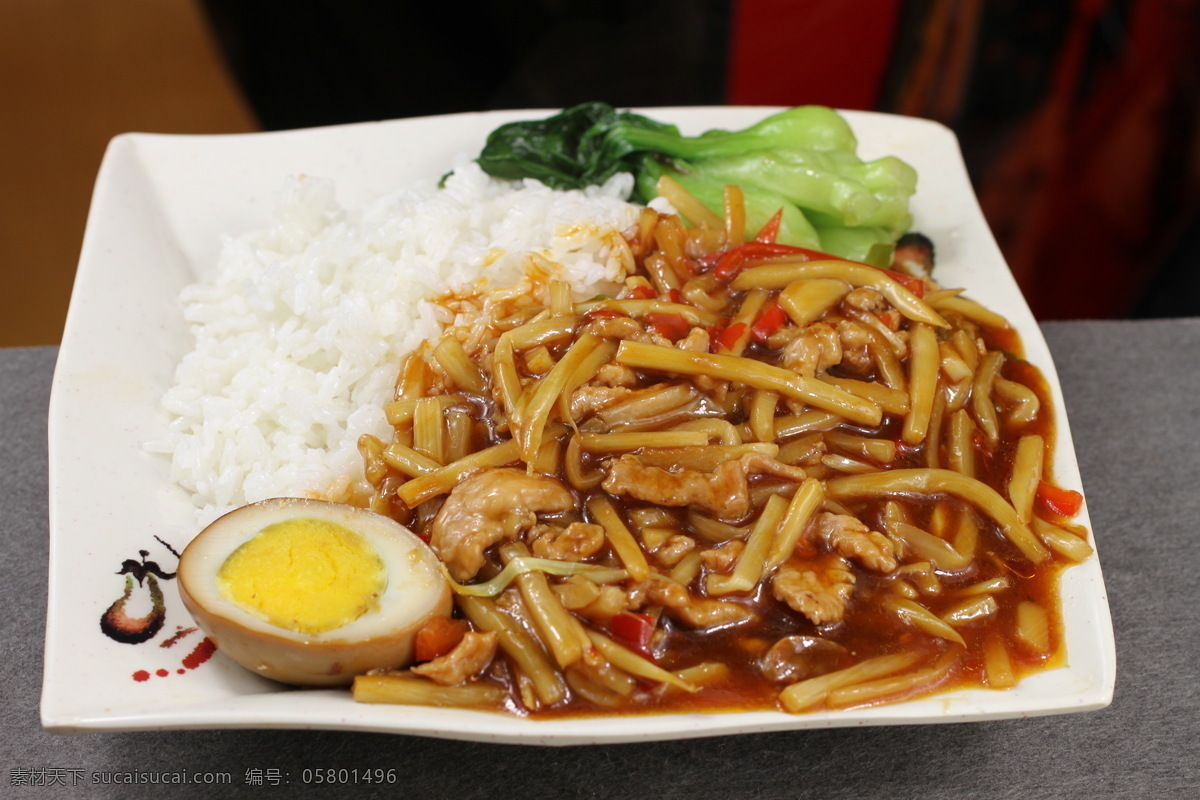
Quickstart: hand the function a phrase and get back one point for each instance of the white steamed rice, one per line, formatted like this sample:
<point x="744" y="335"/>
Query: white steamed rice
<point x="301" y="328"/>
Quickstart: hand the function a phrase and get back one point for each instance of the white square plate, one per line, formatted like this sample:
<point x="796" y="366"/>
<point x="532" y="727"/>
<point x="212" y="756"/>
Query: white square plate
<point x="161" y="205"/>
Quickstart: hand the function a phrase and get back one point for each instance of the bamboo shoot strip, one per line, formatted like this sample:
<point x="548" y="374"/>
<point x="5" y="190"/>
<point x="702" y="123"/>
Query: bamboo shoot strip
<point x="871" y="691"/>
<point x="619" y="536"/>
<point x="519" y="645"/>
<point x="458" y="365"/>
<point x="748" y="570"/>
<point x="804" y="504"/>
<point x="441" y="481"/>
<point x="414" y="691"/>
<point x="547" y="392"/>
<point x="924" y="363"/>
<point x="749" y="372"/>
<point x="635" y="664"/>
<point x="777" y="276"/>
<point x="408" y="461"/>
<point x="934" y="481"/>
<point x="560" y="632"/>
<point x="626" y="442"/>
<point x="807" y="693"/>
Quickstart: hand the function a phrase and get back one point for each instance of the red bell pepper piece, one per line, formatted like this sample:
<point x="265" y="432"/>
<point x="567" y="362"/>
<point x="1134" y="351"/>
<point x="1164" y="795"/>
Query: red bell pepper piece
<point x="1064" y="502"/>
<point x="730" y="264"/>
<point x="634" y="630"/>
<point x="771" y="230"/>
<point x="641" y="292"/>
<point x="769" y="321"/>
<point x="672" y="326"/>
<point x="726" y="338"/>
<point x="438" y="636"/>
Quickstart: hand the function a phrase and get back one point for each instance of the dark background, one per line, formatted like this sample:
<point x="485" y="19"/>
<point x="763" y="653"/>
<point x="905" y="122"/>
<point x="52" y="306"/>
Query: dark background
<point x="1077" y="119"/>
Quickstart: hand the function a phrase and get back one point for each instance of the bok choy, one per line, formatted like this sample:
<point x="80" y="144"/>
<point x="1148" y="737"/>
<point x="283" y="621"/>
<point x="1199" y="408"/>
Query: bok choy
<point x="803" y="160"/>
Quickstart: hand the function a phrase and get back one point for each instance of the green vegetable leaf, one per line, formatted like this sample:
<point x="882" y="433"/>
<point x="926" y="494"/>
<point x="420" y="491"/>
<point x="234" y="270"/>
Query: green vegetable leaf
<point x="567" y="151"/>
<point x="761" y="205"/>
<point x="802" y="160"/>
<point x="815" y="127"/>
<point x="836" y="185"/>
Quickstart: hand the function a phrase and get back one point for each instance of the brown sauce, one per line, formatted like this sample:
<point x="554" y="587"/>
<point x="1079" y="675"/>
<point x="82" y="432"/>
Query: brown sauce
<point x="869" y="627"/>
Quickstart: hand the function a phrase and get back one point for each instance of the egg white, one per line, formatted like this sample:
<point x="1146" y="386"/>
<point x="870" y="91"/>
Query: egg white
<point x="416" y="590"/>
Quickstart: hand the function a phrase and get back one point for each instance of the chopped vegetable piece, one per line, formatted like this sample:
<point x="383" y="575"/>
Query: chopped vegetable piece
<point x="438" y="636"/>
<point x="730" y="263"/>
<point x="727" y="338"/>
<point x="633" y="630"/>
<point x="641" y="293"/>
<point x="519" y="566"/>
<point x="768" y="322"/>
<point x="672" y="326"/>
<point x="1064" y="502"/>
<point x="768" y="232"/>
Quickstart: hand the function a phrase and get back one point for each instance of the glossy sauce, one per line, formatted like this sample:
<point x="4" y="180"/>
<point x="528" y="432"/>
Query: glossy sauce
<point x="867" y="628"/>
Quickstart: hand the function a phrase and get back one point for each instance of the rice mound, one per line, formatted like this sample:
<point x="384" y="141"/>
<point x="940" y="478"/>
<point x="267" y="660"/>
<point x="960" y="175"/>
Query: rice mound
<point x="300" y="330"/>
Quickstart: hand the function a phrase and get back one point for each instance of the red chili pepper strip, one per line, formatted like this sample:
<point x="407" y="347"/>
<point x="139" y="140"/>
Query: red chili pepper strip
<point x="672" y="326"/>
<point x="732" y="261"/>
<point x="770" y="231"/>
<point x="730" y="264"/>
<point x="1064" y="502"/>
<point x="634" y="630"/>
<point x="675" y="296"/>
<point x="727" y="338"/>
<point x="641" y="293"/>
<point x="754" y="250"/>
<point x="769" y="321"/>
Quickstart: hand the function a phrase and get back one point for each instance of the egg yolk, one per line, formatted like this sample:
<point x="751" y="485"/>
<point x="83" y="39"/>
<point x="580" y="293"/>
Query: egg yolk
<point x="306" y="575"/>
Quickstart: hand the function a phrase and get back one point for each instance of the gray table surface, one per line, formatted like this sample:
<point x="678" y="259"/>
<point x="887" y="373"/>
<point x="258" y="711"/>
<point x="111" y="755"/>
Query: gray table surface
<point x="1132" y="391"/>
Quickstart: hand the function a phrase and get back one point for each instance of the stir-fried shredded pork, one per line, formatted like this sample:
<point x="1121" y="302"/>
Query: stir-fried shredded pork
<point x="694" y="612"/>
<point x="721" y="559"/>
<point x="468" y="658"/>
<point x="817" y="348"/>
<point x="587" y="400"/>
<point x="490" y="507"/>
<point x="850" y="537"/>
<point x="577" y="541"/>
<point x="819" y="593"/>
<point x="724" y="492"/>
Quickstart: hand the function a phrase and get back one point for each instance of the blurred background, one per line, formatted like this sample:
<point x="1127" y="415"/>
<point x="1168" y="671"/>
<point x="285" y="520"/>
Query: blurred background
<point x="1078" y="118"/>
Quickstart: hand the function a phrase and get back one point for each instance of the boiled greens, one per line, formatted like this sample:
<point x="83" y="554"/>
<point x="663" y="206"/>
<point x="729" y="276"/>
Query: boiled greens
<point x="802" y="161"/>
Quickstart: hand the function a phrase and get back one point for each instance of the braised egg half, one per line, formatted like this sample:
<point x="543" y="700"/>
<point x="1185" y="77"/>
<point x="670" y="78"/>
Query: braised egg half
<point x="310" y="592"/>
